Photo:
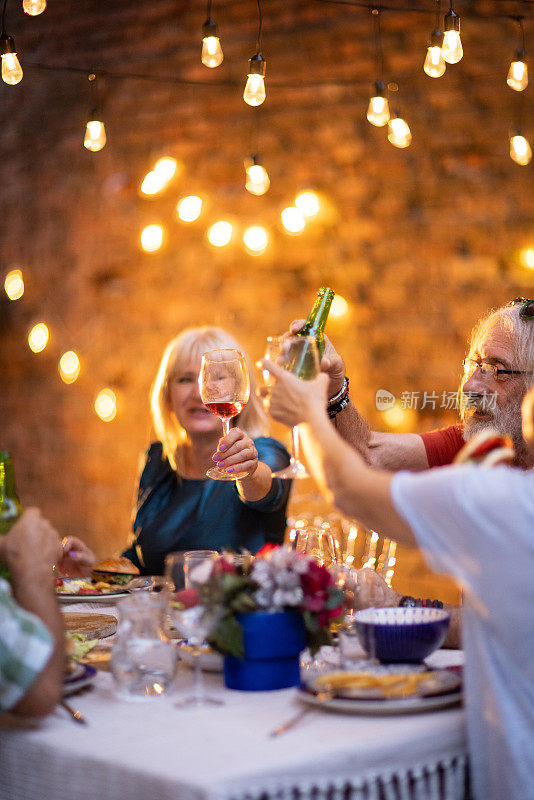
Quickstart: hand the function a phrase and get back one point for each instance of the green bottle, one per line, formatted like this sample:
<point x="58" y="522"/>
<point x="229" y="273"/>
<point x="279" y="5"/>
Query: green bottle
<point x="315" y="324"/>
<point x="10" y="507"/>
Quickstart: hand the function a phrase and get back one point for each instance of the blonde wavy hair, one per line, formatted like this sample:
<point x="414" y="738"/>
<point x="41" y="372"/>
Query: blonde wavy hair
<point x="190" y="344"/>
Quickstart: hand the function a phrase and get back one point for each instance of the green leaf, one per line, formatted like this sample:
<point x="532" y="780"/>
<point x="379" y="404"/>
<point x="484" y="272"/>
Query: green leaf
<point x="227" y="638"/>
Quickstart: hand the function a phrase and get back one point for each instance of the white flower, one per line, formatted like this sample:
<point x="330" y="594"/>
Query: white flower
<point x="202" y="572"/>
<point x="264" y="598"/>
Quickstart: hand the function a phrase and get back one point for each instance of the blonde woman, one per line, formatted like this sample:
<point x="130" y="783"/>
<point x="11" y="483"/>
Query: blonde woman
<point x="179" y="508"/>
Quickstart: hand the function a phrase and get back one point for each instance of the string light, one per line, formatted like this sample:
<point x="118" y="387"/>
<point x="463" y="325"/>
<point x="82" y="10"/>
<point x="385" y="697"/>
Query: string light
<point x="14" y="284"/>
<point x="527" y="257"/>
<point x="339" y="307"/>
<point x="106" y="405"/>
<point x="220" y="233"/>
<point x="254" y="93"/>
<point x="293" y="220"/>
<point x="435" y="65"/>
<point x="452" y="49"/>
<point x="378" y="109"/>
<point x="160" y="176"/>
<point x="212" y="54"/>
<point x="11" y="69"/>
<point x="69" y="366"/>
<point x="38" y="337"/>
<point x="257" y="179"/>
<point x="399" y="133"/>
<point x="151" y="238"/>
<point x="189" y="208"/>
<point x="308" y="203"/>
<point x="518" y="73"/>
<point x="520" y="150"/>
<point x="95" y="132"/>
<point x="256" y="239"/>
<point x="34" y="7"/>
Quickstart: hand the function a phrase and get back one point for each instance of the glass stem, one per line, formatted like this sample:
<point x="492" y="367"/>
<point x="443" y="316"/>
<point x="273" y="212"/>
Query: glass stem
<point x="226" y="426"/>
<point x="296" y="442"/>
<point x="198" y="690"/>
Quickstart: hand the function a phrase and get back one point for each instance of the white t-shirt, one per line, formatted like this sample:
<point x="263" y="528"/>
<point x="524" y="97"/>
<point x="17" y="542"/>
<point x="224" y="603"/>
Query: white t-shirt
<point x="477" y="525"/>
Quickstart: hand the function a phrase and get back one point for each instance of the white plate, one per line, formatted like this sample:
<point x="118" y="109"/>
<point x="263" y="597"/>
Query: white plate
<point x="107" y="599"/>
<point x="79" y="680"/>
<point x="209" y="660"/>
<point x="397" y="705"/>
<point x="437" y="682"/>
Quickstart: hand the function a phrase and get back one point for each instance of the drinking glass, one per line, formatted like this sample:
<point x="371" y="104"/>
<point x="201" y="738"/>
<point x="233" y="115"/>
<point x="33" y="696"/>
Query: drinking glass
<point x="299" y="355"/>
<point x="318" y="543"/>
<point x="351" y="653"/>
<point x="195" y="624"/>
<point x="224" y="388"/>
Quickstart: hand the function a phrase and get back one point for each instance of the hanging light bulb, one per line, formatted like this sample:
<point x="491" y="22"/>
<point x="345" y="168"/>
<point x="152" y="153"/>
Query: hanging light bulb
<point x="518" y="73"/>
<point x="105" y="405"/>
<point x="378" y="110"/>
<point x="95" y="135"/>
<point x="212" y="54"/>
<point x="11" y="69"/>
<point x="33" y="7"/>
<point x="254" y="93"/>
<point x="520" y="150"/>
<point x="14" y="284"/>
<point x="69" y="366"/>
<point x="434" y="62"/>
<point x="399" y="133"/>
<point x="452" y="44"/>
<point x="38" y="337"/>
<point x="257" y="178"/>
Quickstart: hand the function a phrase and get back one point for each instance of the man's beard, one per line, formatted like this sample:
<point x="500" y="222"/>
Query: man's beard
<point x="505" y="421"/>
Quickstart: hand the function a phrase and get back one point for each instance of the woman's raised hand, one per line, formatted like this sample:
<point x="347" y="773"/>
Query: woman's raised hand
<point x="236" y="453"/>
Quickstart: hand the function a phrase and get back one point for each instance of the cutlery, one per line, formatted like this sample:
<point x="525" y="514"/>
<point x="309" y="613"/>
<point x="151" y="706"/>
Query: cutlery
<point x="76" y="715"/>
<point x="285" y="726"/>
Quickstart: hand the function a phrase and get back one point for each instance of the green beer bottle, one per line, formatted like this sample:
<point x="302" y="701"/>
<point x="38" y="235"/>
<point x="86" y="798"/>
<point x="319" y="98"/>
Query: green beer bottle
<point x="10" y="507"/>
<point x="315" y="324"/>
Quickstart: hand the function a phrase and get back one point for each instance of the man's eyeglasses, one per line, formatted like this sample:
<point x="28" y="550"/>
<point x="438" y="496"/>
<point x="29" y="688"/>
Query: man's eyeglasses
<point x="527" y="307"/>
<point x="487" y="369"/>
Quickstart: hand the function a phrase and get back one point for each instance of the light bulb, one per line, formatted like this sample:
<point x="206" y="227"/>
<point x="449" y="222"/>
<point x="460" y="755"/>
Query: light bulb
<point x="293" y="220"/>
<point x="257" y="178"/>
<point x="14" y="284"/>
<point x="38" y="337"/>
<point x="452" y="50"/>
<point x="378" y="110"/>
<point x="308" y="203"/>
<point x="399" y="133"/>
<point x="69" y="366"/>
<point x="518" y="74"/>
<point x="520" y="150"/>
<point x="189" y="208"/>
<point x="220" y="233"/>
<point x="95" y="135"/>
<point x="212" y="54"/>
<point x="339" y="307"/>
<point x="34" y="7"/>
<point x="166" y="168"/>
<point x="254" y="93"/>
<point x="256" y="239"/>
<point x="106" y="405"/>
<point x="151" y="238"/>
<point x="434" y="65"/>
<point x="11" y="69"/>
<point x="153" y="182"/>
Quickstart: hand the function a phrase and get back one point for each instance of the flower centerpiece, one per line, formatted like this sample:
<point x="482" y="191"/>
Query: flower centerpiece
<point x="271" y="609"/>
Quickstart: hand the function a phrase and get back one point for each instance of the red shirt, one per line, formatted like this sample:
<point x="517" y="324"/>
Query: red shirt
<point x="442" y="445"/>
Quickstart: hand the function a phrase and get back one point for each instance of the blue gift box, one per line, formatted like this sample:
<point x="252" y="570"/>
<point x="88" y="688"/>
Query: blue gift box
<point x="273" y="643"/>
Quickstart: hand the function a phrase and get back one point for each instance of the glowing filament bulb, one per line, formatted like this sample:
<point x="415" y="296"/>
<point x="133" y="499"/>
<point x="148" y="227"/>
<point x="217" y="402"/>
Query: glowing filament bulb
<point x="256" y="239"/>
<point x="34" y="7"/>
<point x="293" y="220"/>
<point x="212" y="54"/>
<point x="69" y="366"/>
<point x="153" y="183"/>
<point x="166" y="168"/>
<point x="11" y="69"/>
<point x="399" y="133"/>
<point x="106" y="405"/>
<point x="38" y="337"/>
<point x="189" y="208"/>
<point x="452" y="50"/>
<point x="518" y="75"/>
<point x="257" y="178"/>
<point x="378" y="110"/>
<point x="14" y="284"/>
<point x="339" y="307"/>
<point x="220" y="233"/>
<point x="520" y="150"/>
<point x="151" y="238"/>
<point x="95" y="135"/>
<point x="308" y="203"/>
<point x="254" y="93"/>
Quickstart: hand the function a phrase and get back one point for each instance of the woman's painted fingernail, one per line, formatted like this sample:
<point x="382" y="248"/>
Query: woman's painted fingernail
<point x="222" y="447"/>
<point x="230" y="469"/>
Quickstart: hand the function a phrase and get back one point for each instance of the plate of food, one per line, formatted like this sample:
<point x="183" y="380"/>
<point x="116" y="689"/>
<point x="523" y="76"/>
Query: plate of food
<point x="404" y="690"/>
<point x="82" y="677"/>
<point x="77" y="676"/>
<point x="108" y="582"/>
<point x="210" y="660"/>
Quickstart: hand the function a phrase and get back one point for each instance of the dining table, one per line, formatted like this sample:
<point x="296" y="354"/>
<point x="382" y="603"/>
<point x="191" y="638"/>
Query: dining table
<point x="151" y="749"/>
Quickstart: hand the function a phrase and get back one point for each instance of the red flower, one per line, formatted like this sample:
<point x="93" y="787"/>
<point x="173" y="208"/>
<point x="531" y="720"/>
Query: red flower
<point x="266" y="549"/>
<point x="223" y="565"/>
<point x="187" y="597"/>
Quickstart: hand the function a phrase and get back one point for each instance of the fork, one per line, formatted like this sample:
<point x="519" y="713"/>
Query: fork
<point x="75" y="714"/>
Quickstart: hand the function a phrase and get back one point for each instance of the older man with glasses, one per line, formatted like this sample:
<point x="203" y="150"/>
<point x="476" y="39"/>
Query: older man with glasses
<point x="498" y="371"/>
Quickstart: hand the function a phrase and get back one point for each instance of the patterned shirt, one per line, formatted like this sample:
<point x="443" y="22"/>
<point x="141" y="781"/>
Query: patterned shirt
<point x="25" y="647"/>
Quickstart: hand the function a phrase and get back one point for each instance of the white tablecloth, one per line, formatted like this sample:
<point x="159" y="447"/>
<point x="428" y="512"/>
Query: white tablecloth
<point x="152" y="750"/>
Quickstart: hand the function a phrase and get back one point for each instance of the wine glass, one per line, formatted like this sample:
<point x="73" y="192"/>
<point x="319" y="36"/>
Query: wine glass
<point x="224" y="388"/>
<point x="319" y="544"/>
<point x="350" y="648"/>
<point x="194" y="623"/>
<point x="299" y="355"/>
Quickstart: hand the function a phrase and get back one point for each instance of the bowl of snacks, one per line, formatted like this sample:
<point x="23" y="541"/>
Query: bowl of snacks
<point x="401" y="635"/>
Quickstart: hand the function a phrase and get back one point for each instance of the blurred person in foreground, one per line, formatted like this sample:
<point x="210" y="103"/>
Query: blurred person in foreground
<point x="473" y="523"/>
<point x="32" y="652"/>
<point x="498" y="371"/>
<point x="178" y="507"/>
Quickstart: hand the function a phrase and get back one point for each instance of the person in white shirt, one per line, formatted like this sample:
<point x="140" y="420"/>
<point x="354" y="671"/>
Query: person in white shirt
<point x="473" y="523"/>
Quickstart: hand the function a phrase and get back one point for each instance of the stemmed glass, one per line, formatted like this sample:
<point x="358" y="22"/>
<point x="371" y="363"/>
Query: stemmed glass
<point x="195" y="624"/>
<point x="350" y="650"/>
<point x="224" y="388"/>
<point x="299" y="355"/>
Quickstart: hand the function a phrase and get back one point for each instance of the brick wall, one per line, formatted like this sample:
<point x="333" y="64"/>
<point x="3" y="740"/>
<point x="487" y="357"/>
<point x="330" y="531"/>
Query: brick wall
<point x="419" y="241"/>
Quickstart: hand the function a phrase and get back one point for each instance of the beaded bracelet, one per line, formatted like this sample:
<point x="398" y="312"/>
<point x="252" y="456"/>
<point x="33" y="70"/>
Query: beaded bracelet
<point x="339" y="401"/>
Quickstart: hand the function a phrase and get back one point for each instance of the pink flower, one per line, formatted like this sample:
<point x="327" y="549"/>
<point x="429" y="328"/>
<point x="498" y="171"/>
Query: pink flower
<point x="187" y="598"/>
<point x="266" y="549"/>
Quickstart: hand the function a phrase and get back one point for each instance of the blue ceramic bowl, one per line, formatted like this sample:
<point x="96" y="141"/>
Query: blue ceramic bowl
<point x="402" y="635"/>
